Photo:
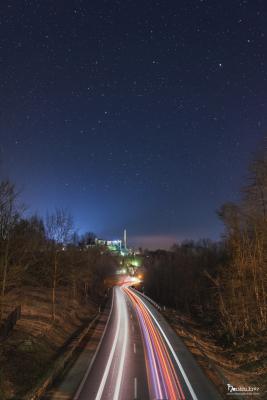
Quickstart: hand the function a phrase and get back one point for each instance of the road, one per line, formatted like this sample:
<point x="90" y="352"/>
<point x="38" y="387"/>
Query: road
<point x="140" y="357"/>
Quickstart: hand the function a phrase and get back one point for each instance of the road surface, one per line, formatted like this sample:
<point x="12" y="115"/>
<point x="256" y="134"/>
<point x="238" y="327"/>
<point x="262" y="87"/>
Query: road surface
<point x="140" y="357"/>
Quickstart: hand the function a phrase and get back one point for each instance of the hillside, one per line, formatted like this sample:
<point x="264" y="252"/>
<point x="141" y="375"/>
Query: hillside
<point x="36" y="340"/>
<point x="242" y="364"/>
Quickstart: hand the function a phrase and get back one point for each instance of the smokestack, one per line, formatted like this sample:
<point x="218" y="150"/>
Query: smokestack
<point x="125" y="238"/>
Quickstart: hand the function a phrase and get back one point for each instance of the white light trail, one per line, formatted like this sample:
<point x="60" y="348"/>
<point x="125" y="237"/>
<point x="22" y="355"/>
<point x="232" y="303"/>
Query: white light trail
<point x="111" y="354"/>
<point x="124" y="347"/>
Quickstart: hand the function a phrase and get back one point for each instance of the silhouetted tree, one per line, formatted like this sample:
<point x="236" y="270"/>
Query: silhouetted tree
<point x="9" y="216"/>
<point x="59" y="227"/>
<point x="243" y="284"/>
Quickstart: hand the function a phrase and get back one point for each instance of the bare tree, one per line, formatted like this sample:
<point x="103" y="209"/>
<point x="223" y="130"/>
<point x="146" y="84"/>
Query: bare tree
<point x="59" y="227"/>
<point x="9" y="216"/>
<point x="244" y="281"/>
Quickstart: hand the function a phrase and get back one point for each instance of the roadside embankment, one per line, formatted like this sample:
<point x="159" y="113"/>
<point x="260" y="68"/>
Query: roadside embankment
<point x="36" y="342"/>
<point x="242" y="364"/>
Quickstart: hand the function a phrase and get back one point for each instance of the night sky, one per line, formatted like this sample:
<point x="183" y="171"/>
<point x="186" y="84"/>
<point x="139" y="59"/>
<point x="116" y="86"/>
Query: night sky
<point x="136" y="114"/>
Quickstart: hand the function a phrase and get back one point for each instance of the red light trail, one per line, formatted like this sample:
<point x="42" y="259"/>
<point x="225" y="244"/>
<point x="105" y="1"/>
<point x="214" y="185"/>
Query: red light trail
<point x="162" y="377"/>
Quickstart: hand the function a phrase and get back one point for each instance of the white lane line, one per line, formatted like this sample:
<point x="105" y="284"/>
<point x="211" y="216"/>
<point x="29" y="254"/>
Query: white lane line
<point x="191" y="390"/>
<point x="124" y="347"/>
<point x="134" y="348"/>
<point x="80" y="388"/>
<point x="135" y="388"/>
<point x="111" y="354"/>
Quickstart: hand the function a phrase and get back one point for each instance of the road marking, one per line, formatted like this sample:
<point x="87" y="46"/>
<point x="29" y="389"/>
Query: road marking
<point x="104" y="378"/>
<point x="191" y="390"/>
<point x="124" y="347"/>
<point x="134" y="348"/>
<point x="135" y="388"/>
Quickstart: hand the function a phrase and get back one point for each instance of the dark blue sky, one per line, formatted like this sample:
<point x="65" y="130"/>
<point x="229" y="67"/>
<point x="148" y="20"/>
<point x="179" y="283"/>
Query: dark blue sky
<point x="132" y="114"/>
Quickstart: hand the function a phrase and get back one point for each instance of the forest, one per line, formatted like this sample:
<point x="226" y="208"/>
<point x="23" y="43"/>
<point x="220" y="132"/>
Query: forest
<point x="47" y="253"/>
<point x="223" y="284"/>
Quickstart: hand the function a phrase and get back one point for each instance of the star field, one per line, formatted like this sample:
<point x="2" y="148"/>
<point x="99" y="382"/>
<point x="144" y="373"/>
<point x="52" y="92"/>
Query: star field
<point x="132" y="114"/>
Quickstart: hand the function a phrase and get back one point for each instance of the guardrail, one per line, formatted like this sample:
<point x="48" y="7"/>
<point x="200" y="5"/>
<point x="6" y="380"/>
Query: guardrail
<point x="158" y="307"/>
<point x="59" y="365"/>
<point x="80" y="387"/>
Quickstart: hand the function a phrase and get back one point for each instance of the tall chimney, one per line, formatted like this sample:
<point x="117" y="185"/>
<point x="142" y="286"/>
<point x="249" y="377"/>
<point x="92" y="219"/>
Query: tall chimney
<point x="125" y="238"/>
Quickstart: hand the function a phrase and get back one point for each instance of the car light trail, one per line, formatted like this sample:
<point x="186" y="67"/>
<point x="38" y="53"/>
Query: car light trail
<point x="162" y="377"/>
<point x="124" y="347"/>
<point x="121" y="331"/>
<point x="191" y="390"/>
<point x="140" y="362"/>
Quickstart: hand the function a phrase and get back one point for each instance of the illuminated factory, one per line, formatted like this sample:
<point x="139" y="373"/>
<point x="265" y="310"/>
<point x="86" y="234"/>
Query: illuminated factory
<point x="117" y="246"/>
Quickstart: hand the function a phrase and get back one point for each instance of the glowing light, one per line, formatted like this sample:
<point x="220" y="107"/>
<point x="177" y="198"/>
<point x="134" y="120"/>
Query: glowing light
<point x="123" y="353"/>
<point x="121" y="331"/>
<point x="134" y="279"/>
<point x="162" y="378"/>
<point x="111" y="354"/>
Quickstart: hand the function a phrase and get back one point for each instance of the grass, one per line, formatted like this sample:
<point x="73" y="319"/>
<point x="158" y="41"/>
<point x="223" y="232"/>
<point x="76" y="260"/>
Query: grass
<point x="26" y="360"/>
<point x="36" y="341"/>
<point x="244" y="363"/>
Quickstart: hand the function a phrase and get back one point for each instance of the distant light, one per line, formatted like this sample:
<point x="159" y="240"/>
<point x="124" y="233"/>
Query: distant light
<point x="135" y="280"/>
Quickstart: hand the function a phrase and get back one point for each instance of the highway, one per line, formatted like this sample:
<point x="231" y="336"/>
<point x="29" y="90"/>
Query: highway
<point x="140" y="357"/>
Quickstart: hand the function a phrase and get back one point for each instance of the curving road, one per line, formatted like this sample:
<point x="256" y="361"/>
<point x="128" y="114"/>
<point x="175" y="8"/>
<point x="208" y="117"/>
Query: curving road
<point x="140" y="357"/>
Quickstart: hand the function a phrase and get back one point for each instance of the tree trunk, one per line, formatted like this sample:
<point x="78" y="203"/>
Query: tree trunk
<point x="3" y="288"/>
<point x="54" y="288"/>
<point x="74" y="289"/>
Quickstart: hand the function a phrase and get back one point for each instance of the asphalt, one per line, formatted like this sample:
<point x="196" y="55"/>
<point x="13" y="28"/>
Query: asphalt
<point x="119" y="370"/>
<point x="65" y="386"/>
<point x="139" y="357"/>
<point x="194" y="382"/>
